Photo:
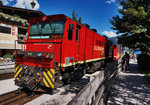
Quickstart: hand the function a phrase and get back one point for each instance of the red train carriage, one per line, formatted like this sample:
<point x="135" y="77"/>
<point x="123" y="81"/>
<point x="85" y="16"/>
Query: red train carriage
<point x="117" y="52"/>
<point x="109" y="51"/>
<point x="57" y="49"/>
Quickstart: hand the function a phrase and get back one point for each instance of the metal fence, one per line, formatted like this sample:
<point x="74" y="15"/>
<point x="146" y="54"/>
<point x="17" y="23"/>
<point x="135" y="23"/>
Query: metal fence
<point x="6" y="67"/>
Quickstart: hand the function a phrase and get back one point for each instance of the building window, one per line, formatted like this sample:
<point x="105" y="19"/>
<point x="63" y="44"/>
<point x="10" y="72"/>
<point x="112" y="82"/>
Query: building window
<point x="21" y="34"/>
<point x="4" y="29"/>
<point x="22" y="31"/>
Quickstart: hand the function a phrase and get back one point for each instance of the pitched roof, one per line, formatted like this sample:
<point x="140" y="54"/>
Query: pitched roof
<point x="23" y="13"/>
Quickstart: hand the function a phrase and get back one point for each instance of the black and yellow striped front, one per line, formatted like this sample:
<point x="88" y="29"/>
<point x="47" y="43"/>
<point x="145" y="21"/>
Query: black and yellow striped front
<point x="49" y="77"/>
<point x="17" y="71"/>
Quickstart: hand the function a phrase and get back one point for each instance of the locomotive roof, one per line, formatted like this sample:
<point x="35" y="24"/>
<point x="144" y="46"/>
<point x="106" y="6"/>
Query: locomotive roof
<point x="62" y="15"/>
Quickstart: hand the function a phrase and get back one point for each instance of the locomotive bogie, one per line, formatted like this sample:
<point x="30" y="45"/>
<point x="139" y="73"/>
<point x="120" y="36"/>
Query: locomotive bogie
<point x="33" y="77"/>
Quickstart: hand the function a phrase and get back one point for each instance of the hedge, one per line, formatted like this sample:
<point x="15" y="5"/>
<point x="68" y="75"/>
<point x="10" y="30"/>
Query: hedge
<point x="144" y="61"/>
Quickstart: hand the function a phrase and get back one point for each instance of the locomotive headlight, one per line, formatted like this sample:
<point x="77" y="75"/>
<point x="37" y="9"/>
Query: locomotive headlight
<point x="44" y="18"/>
<point x="39" y="55"/>
<point x="48" y="55"/>
<point x="44" y="54"/>
<point x="14" y="52"/>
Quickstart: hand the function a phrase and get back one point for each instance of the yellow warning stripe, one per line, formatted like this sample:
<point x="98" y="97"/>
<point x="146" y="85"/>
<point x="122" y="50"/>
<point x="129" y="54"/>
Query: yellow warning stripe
<point x="48" y="79"/>
<point x="53" y="71"/>
<point x="17" y="68"/>
<point x="18" y="72"/>
<point x="49" y="73"/>
<point x="45" y="82"/>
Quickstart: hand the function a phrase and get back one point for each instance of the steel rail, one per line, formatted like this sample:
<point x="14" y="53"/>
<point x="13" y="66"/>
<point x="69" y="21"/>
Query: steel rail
<point x="18" y="97"/>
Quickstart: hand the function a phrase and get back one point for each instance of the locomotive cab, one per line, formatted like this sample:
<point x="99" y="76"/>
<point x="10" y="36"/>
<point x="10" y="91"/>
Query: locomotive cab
<point x="37" y="64"/>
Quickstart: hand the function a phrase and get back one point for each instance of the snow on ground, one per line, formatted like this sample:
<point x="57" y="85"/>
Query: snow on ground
<point x="7" y="86"/>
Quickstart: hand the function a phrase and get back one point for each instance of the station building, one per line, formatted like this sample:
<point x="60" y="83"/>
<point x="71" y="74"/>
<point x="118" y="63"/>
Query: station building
<point x="13" y="26"/>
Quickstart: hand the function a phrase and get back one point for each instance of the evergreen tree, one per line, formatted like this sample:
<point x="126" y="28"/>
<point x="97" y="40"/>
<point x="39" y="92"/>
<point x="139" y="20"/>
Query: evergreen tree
<point x="133" y="24"/>
<point x="74" y="16"/>
<point x="80" y="20"/>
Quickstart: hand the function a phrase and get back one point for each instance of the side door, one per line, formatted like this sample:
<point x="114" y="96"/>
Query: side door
<point x="78" y="32"/>
<point x="72" y="45"/>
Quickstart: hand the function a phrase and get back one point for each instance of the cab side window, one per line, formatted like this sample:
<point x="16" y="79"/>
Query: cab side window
<point x="70" y="31"/>
<point x="77" y="34"/>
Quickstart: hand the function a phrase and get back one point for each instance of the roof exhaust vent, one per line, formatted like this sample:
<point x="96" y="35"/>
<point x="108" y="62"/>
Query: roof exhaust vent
<point x="86" y="25"/>
<point x="94" y="30"/>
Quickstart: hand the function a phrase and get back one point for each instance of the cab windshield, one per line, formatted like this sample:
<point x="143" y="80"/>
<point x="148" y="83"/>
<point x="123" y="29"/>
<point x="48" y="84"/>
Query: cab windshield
<point x="47" y="30"/>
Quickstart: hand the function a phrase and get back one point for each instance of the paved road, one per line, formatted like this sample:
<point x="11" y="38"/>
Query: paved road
<point x="130" y="89"/>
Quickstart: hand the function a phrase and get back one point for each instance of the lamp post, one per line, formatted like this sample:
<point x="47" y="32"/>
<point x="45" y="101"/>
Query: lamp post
<point x="33" y="4"/>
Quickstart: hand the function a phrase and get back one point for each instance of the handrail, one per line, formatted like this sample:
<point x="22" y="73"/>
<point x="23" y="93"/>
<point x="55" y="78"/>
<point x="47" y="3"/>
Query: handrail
<point x="21" y="45"/>
<point x="54" y="50"/>
<point x="25" y="39"/>
<point x="55" y="55"/>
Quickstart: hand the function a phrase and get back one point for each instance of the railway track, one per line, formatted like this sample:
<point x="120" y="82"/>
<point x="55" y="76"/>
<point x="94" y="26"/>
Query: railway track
<point x="6" y="76"/>
<point x="18" y="97"/>
<point x="22" y="96"/>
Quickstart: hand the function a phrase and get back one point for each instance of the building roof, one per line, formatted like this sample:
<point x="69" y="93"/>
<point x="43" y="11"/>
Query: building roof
<point x="12" y="18"/>
<point x="23" y="13"/>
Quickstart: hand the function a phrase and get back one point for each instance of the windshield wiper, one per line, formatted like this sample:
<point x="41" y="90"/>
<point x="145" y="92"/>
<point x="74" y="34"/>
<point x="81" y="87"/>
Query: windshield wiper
<point x="40" y="31"/>
<point x="53" y="30"/>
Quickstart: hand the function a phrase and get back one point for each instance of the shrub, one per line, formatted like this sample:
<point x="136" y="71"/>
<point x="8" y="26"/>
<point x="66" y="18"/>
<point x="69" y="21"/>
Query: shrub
<point x="8" y="55"/>
<point x="144" y="61"/>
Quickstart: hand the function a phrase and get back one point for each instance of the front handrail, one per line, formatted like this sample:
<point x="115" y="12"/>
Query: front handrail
<point x="21" y="45"/>
<point x="25" y="39"/>
<point x="54" y="50"/>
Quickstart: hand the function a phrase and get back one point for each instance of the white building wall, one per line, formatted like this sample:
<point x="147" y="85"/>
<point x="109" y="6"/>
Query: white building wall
<point x="7" y="40"/>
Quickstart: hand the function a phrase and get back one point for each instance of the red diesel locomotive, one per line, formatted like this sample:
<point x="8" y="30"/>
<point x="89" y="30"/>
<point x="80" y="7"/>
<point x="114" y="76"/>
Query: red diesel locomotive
<point x="59" y="49"/>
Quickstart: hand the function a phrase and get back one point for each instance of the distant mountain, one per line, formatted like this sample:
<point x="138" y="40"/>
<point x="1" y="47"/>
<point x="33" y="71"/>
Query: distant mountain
<point x="114" y="40"/>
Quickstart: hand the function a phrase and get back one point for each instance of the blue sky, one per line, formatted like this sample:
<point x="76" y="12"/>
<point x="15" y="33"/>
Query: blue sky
<point x="96" y="13"/>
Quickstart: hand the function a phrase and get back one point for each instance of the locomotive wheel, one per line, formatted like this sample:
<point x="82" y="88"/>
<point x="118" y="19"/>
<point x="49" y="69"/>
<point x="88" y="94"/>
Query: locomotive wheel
<point x="92" y="69"/>
<point x="78" y="74"/>
<point x="66" y="81"/>
<point x="66" y="78"/>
